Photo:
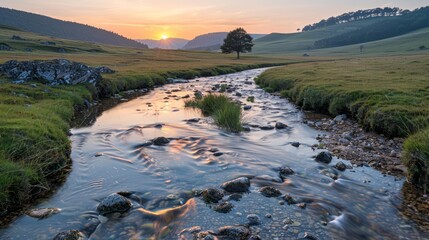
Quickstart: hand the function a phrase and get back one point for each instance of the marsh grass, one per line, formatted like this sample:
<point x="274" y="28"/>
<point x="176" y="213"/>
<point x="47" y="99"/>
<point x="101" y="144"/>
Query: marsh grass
<point x="226" y="113"/>
<point x="416" y="159"/>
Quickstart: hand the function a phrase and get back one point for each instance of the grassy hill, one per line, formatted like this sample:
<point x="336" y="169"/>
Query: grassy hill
<point x="279" y="43"/>
<point x="299" y="43"/>
<point x="62" y="29"/>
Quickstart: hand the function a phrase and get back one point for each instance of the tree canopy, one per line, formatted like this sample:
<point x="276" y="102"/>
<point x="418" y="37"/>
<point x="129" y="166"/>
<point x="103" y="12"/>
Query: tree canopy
<point x="237" y="41"/>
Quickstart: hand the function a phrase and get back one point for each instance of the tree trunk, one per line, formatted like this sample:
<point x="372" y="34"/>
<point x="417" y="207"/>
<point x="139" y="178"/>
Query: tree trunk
<point x="238" y="54"/>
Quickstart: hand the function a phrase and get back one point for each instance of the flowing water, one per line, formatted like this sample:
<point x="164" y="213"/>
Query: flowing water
<point x="110" y="156"/>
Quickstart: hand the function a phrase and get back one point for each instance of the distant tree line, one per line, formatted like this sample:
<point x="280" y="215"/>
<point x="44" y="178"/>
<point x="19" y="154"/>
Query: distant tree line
<point x="387" y="28"/>
<point x="63" y="29"/>
<point x="355" y="16"/>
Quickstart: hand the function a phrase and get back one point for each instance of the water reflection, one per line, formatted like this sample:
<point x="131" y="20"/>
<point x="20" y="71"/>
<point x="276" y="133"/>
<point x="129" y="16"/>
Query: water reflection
<point x="113" y="155"/>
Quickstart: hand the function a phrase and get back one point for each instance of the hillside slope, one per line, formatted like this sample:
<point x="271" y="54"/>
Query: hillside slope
<point x="276" y="43"/>
<point x="62" y="29"/>
<point x="211" y="41"/>
<point x="169" y="43"/>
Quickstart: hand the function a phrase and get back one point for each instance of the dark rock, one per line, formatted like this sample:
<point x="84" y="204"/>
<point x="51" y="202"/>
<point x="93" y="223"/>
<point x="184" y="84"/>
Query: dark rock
<point x="186" y="96"/>
<point x="70" y="235"/>
<point x="114" y="203"/>
<point x="280" y="125"/>
<point x="53" y="72"/>
<point x="235" y="197"/>
<point x="295" y="144"/>
<point x="105" y="70"/>
<point x="329" y="173"/>
<point x="253" y="219"/>
<point x="234" y="233"/>
<point x="5" y="47"/>
<point x="270" y="192"/>
<point x="290" y="200"/>
<point x="238" y="94"/>
<point x="212" y="195"/>
<point x="193" y="120"/>
<point x="213" y="150"/>
<point x="18" y="38"/>
<point x="341" y="166"/>
<point x="285" y="171"/>
<point x="237" y="185"/>
<point x="223" y="207"/>
<point x="307" y="235"/>
<point x="247" y="107"/>
<point x="324" y="157"/>
<point x="198" y="95"/>
<point x="161" y="141"/>
<point x="246" y="128"/>
<point x="218" y="154"/>
<point x="266" y="127"/>
<point x="205" y="236"/>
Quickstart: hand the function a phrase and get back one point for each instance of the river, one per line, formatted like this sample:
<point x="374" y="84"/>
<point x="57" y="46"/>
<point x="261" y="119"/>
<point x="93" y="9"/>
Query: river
<point x="109" y="156"/>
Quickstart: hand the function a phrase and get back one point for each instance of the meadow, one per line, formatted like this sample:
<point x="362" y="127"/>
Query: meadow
<point x="389" y="95"/>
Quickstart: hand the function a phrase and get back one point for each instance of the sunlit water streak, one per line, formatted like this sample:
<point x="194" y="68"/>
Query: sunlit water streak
<point x="110" y="156"/>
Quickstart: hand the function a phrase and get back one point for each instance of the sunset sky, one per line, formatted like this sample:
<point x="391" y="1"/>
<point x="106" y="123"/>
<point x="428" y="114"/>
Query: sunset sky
<point x="186" y="19"/>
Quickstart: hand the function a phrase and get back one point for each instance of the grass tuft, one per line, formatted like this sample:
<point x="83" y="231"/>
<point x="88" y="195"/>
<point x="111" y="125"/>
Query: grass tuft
<point x="226" y="113"/>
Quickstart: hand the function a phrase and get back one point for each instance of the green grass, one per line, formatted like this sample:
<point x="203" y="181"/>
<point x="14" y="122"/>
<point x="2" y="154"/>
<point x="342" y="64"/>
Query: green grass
<point x="226" y="113"/>
<point x="416" y="158"/>
<point x="389" y="95"/>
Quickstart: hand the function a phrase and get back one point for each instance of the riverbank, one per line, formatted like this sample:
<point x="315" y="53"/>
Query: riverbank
<point x="385" y="95"/>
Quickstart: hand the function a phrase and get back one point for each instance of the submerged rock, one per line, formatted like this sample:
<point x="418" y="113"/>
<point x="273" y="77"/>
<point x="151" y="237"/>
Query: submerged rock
<point x="285" y="171"/>
<point x="295" y="144"/>
<point x="161" y="141"/>
<point x="253" y="219"/>
<point x="114" y="203"/>
<point x="280" y="125"/>
<point x="223" y="207"/>
<point x="266" y="127"/>
<point x="237" y="185"/>
<point x="42" y="212"/>
<point x="341" y="166"/>
<point x="70" y="235"/>
<point x="234" y="232"/>
<point x="247" y="107"/>
<point x="270" y="192"/>
<point x="212" y="195"/>
<point x="324" y="157"/>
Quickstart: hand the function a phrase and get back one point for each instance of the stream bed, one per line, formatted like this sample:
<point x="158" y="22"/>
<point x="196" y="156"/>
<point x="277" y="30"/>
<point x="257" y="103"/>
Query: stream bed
<point x="164" y="182"/>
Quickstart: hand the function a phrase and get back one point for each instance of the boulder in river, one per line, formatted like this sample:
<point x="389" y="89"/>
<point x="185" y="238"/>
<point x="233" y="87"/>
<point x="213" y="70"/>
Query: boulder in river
<point x="324" y="157"/>
<point x="270" y="192"/>
<point x="212" y="195"/>
<point x="223" y="207"/>
<point x="341" y="166"/>
<point x="70" y="235"/>
<point x="114" y="203"/>
<point x="160" y="141"/>
<point x="280" y="125"/>
<point x="237" y="185"/>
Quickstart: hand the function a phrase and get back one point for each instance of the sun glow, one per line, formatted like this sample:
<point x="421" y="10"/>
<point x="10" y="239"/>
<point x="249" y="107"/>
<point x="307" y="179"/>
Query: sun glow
<point x="164" y="36"/>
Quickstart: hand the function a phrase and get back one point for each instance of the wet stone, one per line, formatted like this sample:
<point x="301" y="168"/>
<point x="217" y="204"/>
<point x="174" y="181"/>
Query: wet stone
<point x="247" y="107"/>
<point x="70" y="235"/>
<point x="253" y="219"/>
<point x="212" y="195"/>
<point x="295" y="144"/>
<point x="266" y="127"/>
<point x="341" y="166"/>
<point x="113" y="203"/>
<point x="237" y="185"/>
<point x="43" y="212"/>
<point x="213" y="150"/>
<point x="280" y="125"/>
<point x="307" y="235"/>
<point x="234" y="232"/>
<point x="285" y="171"/>
<point x="270" y="192"/>
<point x="223" y="207"/>
<point x="235" y="197"/>
<point x="161" y="141"/>
<point x="218" y="154"/>
<point x="324" y="157"/>
<point x="290" y="200"/>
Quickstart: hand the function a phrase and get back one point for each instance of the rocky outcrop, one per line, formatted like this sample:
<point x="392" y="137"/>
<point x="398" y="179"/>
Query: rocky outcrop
<point x="53" y="72"/>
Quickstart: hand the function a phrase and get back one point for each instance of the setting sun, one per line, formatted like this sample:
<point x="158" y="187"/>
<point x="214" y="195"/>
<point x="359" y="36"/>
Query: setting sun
<point x="164" y="36"/>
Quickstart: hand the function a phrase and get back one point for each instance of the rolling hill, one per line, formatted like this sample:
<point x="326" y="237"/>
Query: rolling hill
<point x="62" y="29"/>
<point x="211" y="41"/>
<point x="169" y="43"/>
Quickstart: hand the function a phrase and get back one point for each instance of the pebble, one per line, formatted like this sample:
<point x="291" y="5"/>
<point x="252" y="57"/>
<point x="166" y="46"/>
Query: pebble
<point x="253" y="219"/>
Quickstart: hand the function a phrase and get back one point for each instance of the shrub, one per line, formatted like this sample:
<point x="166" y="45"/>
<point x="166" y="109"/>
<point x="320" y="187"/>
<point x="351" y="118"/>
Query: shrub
<point x="416" y="159"/>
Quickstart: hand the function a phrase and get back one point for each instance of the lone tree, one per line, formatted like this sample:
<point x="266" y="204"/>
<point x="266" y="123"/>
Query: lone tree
<point x="237" y="41"/>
